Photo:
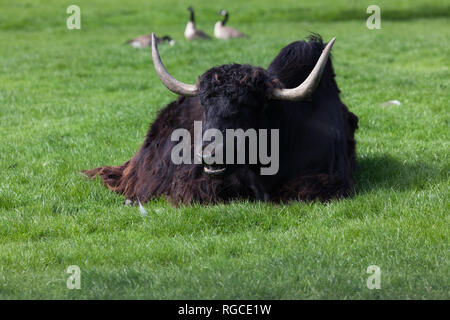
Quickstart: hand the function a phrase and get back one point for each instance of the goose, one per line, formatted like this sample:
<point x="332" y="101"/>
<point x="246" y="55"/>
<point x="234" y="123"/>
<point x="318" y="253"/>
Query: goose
<point x="191" y="32"/>
<point x="223" y="32"/>
<point x="146" y="41"/>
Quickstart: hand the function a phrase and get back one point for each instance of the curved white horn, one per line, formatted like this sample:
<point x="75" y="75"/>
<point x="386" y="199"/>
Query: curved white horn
<point x="170" y="82"/>
<point x="307" y="87"/>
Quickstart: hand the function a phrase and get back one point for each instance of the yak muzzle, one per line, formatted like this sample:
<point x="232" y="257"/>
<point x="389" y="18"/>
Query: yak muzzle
<point x="211" y="168"/>
<point x="214" y="170"/>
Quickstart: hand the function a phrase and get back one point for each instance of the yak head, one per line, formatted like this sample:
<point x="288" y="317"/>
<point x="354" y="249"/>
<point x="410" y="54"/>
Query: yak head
<point x="235" y="96"/>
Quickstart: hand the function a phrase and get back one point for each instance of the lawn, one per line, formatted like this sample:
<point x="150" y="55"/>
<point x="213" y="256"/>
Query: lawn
<point x="76" y="99"/>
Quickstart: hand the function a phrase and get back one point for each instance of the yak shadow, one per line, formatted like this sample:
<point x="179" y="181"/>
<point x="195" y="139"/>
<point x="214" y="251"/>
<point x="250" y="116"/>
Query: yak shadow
<point x="385" y="172"/>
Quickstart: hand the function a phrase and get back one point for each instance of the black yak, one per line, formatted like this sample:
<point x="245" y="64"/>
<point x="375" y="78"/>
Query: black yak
<point x="297" y="95"/>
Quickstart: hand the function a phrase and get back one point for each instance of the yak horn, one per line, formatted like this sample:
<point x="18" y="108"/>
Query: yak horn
<point x="310" y="84"/>
<point x="170" y="82"/>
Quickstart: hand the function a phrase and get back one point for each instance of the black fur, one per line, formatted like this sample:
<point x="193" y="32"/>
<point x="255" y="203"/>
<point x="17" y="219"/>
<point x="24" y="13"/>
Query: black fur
<point x="317" y="146"/>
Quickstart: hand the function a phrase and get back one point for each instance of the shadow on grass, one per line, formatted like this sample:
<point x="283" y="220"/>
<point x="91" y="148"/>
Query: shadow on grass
<point x="354" y="13"/>
<point x="385" y="172"/>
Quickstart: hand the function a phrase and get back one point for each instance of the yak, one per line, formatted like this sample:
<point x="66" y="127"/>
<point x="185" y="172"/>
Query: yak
<point x="297" y="95"/>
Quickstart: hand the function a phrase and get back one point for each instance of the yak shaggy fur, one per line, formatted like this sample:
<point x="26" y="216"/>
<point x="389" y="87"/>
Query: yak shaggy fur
<point x="317" y="146"/>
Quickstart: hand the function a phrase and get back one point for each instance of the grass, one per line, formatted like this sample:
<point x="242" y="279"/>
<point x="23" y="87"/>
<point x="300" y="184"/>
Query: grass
<point x="73" y="100"/>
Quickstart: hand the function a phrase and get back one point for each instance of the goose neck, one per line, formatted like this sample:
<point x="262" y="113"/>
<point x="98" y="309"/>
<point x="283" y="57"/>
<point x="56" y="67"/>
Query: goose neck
<point x="225" y="19"/>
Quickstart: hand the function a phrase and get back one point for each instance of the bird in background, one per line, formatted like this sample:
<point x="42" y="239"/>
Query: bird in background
<point x="221" y="31"/>
<point x="191" y="32"/>
<point x="146" y="41"/>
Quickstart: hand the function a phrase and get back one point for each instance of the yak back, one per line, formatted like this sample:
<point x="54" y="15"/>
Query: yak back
<point x="317" y="145"/>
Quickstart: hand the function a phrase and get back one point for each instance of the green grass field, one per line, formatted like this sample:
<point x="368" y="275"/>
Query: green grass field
<point x="76" y="99"/>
